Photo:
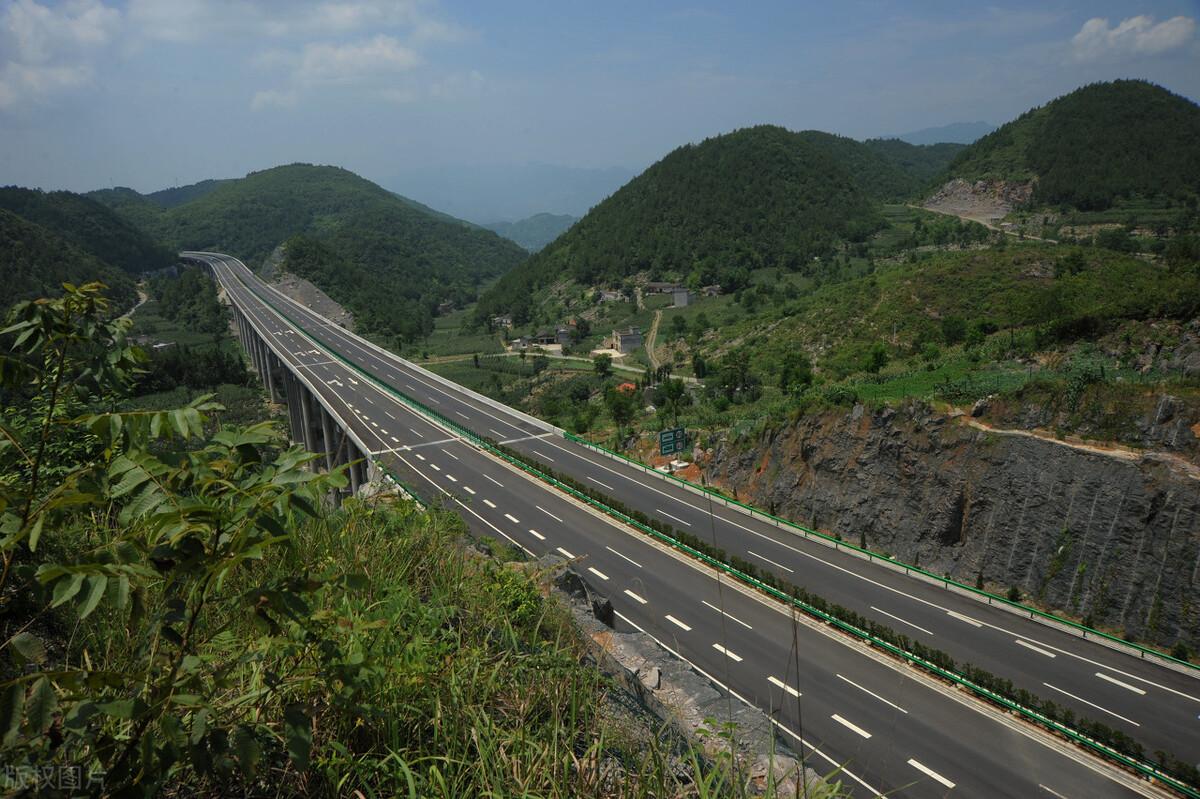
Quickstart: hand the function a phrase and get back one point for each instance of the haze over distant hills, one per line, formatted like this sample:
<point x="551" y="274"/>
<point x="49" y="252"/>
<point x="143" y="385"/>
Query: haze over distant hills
<point x="954" y="133"/>
<point x="535" y="232"/>
<point x="507" y="193"/>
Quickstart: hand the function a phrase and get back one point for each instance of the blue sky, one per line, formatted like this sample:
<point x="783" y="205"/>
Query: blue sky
<point x="153" y="93"/>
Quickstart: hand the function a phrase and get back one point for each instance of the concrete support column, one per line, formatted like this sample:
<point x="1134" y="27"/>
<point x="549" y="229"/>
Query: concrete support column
<point x="355" y="471"/>
<point x="306" y="420"/>
<point x="276" y="394"/>
<point x="327" y="428"/>
<point x="292" y="387"/>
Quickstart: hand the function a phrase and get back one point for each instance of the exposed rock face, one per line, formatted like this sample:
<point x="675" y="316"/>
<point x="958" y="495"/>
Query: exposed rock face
<point x="1115" y="541"/>
<point x="303" y="291"/>
<point x="986" y="201"/>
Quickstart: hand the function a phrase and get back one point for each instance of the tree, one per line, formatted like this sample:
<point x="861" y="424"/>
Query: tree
<point x="602" y="364"/>
<point x="678" y="326"/>
<point x="671" y="396"/>
<point x="796" y="371"/>
<point x="699" y="366"/>
<point x="877" y="357"/>
<point x="621" y="407"/>
<point x="954" y="330"/>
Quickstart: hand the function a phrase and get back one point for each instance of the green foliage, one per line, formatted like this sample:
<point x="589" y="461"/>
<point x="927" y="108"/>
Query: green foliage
<point x="602" y="364"/>
<point x="757" y="197"/>
<point x="388" y="260"/>
<point x="1095" y="145"/>
<point x="35" y="262"/>
<point x="888" y="169"/>
<point x="90" y="226"/>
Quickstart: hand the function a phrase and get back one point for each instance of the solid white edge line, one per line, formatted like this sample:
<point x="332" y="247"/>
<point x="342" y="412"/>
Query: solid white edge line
<point x="902" y="621"/>
<point x="928" y="772"/>
<point x="850" y="725"/>
<point x="1091" y="704"/>
<point x="669" y="516"/>
<point x="837" y="765"/>
<point x="961" y="617"/>
<point x="768" y="560"/>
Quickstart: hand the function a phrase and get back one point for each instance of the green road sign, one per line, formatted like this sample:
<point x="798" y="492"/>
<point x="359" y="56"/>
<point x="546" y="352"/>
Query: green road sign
<point x="671" y="441"/>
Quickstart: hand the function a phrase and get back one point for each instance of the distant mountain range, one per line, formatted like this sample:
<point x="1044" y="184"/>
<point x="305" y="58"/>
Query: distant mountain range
<point x="954" y="133"/>
<point x="535" y="232"/>
<point x="507" y="193"/>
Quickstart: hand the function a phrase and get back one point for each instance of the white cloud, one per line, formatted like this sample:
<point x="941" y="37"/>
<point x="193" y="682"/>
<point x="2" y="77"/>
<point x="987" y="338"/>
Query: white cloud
<point x="330" y="63"/>
<point x="1135" y="36"/>
<point x="274" y="98"/>
<point x="47" y="50"/>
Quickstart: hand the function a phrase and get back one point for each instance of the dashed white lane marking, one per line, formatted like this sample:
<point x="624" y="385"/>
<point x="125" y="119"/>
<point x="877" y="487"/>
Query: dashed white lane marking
<point x="1051" y="791"/>
<point x="736" y="658"/>
<point x="752" y="553"/>
<point x="678" y="623"/>
<point x="448" y="452"/>
<point x="389" y="415"/>
<point x="463" y="415"/>
<point x="489" y="503"/>
<point x="375" y="424"/>
<point x="1124" y="685"/>
<point x="409" y="387"/>
<point x="548" y="513"/>
<point x="619" y="555"/>
<point x="395" y="440"/>
<point x="598" y="573"/>
<point x="778" y="683"/>
<point x="540" y="455"/>
<point x="634" y="597"/>
<point x="451" y="478"/>
<point x="675" y="518"/>
<point x="469" y="490"/>
<point x="494" y="480"/>
<point x="967" y="619"/>
<point x="902" y="621"/>
<point x="512" y="518"/>
<point x="602" y="485"/>
<point x="420" y="457"/>
<point x="928" y="772"/>
<point x="435" y="467"/>
<point x="872" y="693"/>
<point x="1091" y="704"/>
<point x="536" y="534"/>
<point x="497" y="432"/>
<point x="729" y="616"/>
<point x="415" y="433"/>
<point x="565" y="553"/>
<point x="852" y="726"/>
<point x="1039" y="650"/>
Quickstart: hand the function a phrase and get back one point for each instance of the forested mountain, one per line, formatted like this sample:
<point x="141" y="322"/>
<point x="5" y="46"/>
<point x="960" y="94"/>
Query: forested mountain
<point x="534" y="232"/>
<point x="1098" y="144"/>
<point x="708" y="213"/>
<point x="887" y="169"/>
<point x="388" y="259"/>
<point x="90" y="226"/>
<point x="35" y="262"/>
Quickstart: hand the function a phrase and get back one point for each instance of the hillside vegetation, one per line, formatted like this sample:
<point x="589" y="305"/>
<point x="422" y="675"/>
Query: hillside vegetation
<point x="35" y="262"/>
<point x="387" y="259"/>
<point x="1099" y="144"/>
<point x="756" y="197"/>
<point x="90" y="226"/>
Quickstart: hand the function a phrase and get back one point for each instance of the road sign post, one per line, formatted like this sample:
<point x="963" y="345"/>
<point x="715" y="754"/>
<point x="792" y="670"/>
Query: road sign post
<point x="672" y="441"/>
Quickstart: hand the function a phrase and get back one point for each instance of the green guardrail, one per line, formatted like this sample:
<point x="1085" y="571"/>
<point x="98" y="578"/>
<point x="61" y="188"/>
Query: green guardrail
<point x="1142" y="768"/>
<point x="908" y="567"/>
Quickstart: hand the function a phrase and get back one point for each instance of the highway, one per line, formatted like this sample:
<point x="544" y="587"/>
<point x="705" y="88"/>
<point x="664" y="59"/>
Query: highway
<point x="894" y="732"/>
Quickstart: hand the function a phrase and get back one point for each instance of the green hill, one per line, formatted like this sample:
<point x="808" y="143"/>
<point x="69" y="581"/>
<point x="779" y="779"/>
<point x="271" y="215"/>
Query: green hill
<point x="534" y="232"/>
<point x="1099" y="144"/>
<point x="388" y="260"/>
<point x="35" y="262"/>
<point x="90" y="226"/>
<point x="887" y="169"/>
<point x="706" y="213"/>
